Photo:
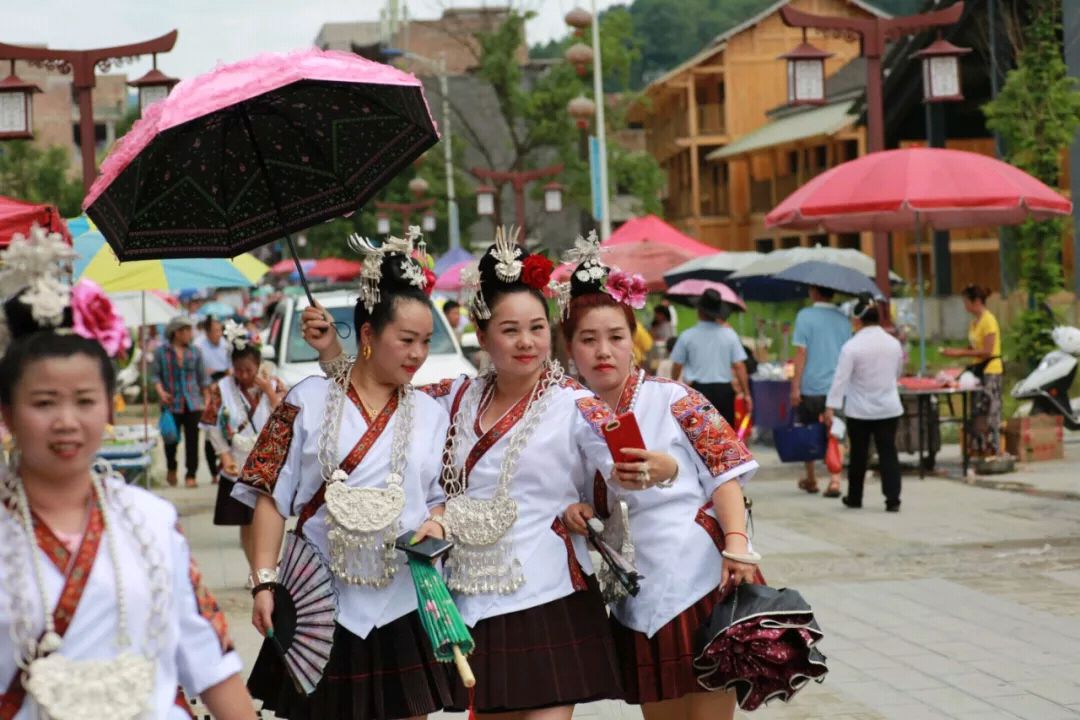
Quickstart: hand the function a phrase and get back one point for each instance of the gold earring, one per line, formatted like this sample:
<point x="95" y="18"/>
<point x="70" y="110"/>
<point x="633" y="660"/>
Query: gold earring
<point x="367" y="352"/>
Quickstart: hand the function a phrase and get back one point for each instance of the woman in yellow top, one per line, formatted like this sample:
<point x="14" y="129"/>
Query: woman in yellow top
<point x="984" y="335"/>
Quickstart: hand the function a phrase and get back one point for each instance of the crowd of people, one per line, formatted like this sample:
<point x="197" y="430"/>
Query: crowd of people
<point x="509" y="465"/>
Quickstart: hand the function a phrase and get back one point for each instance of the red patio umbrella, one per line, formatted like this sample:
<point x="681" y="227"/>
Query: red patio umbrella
<point x="916" y="188"/>
<point x="900" y="189"/>
<point x="17" y="216"/>
<point x="648" y="258"/>
<point x="649" y="228"/>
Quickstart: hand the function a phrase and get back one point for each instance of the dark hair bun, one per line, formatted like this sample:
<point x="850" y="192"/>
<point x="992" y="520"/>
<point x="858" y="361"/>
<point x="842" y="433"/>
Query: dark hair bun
<point x="20" y="317"/>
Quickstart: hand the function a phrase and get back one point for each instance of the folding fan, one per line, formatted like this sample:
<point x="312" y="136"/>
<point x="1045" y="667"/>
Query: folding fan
<point x="305" y="612"/>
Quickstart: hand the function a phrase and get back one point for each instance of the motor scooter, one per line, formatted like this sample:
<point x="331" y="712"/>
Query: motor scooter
<point x="1047" y="386"/>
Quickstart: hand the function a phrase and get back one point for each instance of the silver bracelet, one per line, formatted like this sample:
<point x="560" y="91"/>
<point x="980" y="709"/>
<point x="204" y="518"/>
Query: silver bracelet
<point x="750" y="558"/>
<point x="670" y="482"/>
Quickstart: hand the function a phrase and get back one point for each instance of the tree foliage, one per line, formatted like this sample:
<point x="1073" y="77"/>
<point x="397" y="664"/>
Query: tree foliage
<point x="30" y="173"/>
<point x="1036" y="114"/>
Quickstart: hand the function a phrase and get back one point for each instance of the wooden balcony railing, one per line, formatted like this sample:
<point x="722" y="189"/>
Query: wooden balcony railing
<point x="711" y="119"/>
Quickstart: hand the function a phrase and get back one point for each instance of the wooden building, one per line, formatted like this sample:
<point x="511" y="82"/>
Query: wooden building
<point x="718" y="96"/>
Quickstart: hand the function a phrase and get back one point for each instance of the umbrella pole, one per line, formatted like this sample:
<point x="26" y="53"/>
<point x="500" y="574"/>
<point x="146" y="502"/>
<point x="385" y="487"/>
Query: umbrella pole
<point x="299" y="269"/>
<point x="922" y="309"/>
<point x="274" y="199"/>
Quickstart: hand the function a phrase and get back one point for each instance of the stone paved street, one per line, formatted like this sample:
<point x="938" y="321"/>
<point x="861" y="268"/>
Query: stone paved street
<point x="964" y="605"/>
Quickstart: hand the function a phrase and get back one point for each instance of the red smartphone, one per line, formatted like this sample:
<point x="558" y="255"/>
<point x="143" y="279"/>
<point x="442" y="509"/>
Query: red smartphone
<point x="623" y="432"/>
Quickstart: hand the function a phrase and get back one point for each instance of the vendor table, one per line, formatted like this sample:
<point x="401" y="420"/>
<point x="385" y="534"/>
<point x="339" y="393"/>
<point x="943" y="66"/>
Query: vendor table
<point x="945" y="394"/>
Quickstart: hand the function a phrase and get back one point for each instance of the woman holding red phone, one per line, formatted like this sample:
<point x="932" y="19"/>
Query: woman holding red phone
<point x="698" y="516"/>
<point x="524" y="443"/>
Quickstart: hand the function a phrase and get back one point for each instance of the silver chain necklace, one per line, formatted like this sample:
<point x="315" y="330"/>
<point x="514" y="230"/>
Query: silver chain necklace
<point x="363" y="522"/>
<point x="483" y="560"/>
<point x="65" y="689"/>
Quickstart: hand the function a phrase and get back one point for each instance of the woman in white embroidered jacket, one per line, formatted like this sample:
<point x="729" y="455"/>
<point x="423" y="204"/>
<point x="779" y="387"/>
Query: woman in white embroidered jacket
<point x="520" y="450"/>
<point x="698" y="517"/>
<point x="102" y="610"/>
<point x="328" y="447"/>
<point x="238" y="408"/>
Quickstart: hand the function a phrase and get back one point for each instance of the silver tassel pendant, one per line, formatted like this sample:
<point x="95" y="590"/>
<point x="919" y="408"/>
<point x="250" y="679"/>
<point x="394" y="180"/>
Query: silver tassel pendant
<point x="366" y="559"/>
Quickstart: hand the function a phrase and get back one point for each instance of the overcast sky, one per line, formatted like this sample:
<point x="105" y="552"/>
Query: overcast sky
<point x="215" y="31"/>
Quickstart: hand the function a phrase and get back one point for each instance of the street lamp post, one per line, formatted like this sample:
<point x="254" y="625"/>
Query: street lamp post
<point x="417" y="186"/>
<point x="578" y="18"/>
<point x="81" y="65"/>
<point x="873" y="33"/>
<point x="447" y="137"/>
<point x="518" y="180"/>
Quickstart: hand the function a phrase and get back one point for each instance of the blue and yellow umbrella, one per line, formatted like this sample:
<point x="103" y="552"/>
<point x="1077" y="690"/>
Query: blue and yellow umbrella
<point x="98" y="263"/>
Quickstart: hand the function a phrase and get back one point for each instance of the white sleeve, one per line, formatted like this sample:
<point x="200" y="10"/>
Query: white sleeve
<point x="718" y="454"/>
<point x="591" y="416"/>
<point x="435" y="494"/>
<point x="204" y="652"/>
<point x="841" y="377"/>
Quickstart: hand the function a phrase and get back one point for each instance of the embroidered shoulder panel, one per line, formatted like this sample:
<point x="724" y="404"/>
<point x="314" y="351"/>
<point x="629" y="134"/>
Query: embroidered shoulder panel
<point x="709" y="434"/>
<point x="595" y="411"/>
<point x="271" y="450"/>
<point x="439" y="389"/>
<point x="213" y="408"/>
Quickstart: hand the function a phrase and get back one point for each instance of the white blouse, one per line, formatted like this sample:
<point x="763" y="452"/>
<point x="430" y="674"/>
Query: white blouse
<point x="226" y="417"/>
<point x="285" y="465"/>
<point x="553" y="471"/>
<point x="195" y="651"/>
<point x="676" y="522"/>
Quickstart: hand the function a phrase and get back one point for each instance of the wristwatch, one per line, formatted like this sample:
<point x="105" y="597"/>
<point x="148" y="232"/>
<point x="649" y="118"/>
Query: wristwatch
<point x="263" y="576"/>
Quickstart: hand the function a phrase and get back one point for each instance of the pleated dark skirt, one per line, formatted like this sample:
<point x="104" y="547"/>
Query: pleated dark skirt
<point x="662" y="667"/>
<point x="228" y="510"/>
<point x="558" y="653"/>
<point x="390" y="674"/>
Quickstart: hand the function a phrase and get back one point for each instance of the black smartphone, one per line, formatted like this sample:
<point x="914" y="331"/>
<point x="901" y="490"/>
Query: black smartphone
<point x="431" y="548"/>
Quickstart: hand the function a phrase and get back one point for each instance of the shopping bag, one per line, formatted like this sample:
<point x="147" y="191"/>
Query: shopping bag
<point x="800" y="443"/>
<point x="834" y="459"/>
<point x="170" y="434"/>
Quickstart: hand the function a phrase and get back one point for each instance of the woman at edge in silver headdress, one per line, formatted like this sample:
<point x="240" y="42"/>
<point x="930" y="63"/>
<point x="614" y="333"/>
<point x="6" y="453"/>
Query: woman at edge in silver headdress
<point x="357" y="457"/>
<point x="522" y="446"/>
<point x="102" y="610"/>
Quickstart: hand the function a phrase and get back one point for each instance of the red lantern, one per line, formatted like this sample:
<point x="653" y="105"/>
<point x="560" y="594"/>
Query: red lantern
<point x="580" y="56"/>
<point x="579" y="19"/>
<point x="582" y="109"/>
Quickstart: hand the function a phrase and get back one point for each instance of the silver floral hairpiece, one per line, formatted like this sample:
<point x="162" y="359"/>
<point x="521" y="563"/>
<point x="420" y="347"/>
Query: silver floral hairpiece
<point x="585" y="249"/>
<point x="236" y="334"/>
<point x="35" y="264"/>
<point x="371" y="269"/>
<point x="470" y="291"/>
<point x="506" y="253"/>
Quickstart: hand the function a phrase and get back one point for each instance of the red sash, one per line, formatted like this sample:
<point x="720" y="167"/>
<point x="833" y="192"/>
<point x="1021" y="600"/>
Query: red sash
<point x="74" y="586"/>
<point x="354" y="458"/>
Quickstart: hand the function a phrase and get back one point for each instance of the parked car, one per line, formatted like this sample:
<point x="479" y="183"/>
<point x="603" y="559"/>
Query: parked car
<point x="296" y="360"/>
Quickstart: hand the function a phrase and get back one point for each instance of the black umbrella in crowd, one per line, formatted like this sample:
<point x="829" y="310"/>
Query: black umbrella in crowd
<point x="252" y="151"/>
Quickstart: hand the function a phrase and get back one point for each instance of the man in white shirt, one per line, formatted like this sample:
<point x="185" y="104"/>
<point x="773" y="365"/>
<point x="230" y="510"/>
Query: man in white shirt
<point x="864" y="386"/>
<point x="215" y="352"/>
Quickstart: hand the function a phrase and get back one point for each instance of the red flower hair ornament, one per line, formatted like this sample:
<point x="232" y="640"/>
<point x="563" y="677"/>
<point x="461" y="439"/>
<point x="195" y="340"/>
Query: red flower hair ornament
<point x="536" y="271"/>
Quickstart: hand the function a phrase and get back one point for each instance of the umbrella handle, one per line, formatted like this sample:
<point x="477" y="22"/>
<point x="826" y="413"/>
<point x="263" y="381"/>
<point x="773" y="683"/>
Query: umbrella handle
<point x="462" y="663"/>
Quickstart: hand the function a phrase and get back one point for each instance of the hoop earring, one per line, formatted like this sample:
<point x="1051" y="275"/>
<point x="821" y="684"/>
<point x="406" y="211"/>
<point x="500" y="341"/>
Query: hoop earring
<point x="366" y="352"/>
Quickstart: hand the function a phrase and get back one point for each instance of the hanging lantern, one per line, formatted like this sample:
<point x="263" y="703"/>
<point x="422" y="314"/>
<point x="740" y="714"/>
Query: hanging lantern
<point x="941" y="71"/>
<point x="382" y="224"/>
<point x="553" y="197"/>
<point x="16" y="107"/>
<point x="582" y="109"/>
<point x="153" y="87"/>
<point x="579" y="19"/>
<point x="418" y="186"/>
<point x="485" y="200"/>
<point x="427" y="222"/>
<point x="806" y="74"/>
<point x="580" y="56"/>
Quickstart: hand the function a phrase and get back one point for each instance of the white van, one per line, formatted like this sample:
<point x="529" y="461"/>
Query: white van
<point x="284" y="342"/>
